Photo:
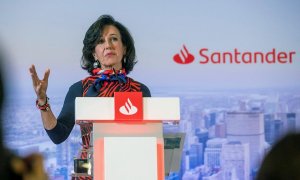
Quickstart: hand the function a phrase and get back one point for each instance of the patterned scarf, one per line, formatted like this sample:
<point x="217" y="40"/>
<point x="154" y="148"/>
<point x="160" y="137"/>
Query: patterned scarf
<point x="104" y="83"/>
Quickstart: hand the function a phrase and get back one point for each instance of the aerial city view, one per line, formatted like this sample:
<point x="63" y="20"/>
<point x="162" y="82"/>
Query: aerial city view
<point x="227" y="132"/>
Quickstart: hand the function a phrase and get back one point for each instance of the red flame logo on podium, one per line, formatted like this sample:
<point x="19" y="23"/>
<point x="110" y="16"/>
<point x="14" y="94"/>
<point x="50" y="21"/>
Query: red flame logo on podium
<point x="128" y="108"/>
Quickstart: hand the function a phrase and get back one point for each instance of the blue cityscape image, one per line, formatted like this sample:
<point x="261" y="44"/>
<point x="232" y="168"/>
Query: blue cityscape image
<point x="227" y="132"/>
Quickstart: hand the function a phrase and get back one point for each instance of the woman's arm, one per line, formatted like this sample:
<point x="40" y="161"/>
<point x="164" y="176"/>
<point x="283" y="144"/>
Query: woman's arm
<point x="66" y="119"/>
<point x="40" y="87"/>
<point x="59" y="128"/>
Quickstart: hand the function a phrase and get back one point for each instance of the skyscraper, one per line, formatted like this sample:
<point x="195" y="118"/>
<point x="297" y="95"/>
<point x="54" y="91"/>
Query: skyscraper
<point x="291" y="122"/>
<point x="288" y="120"/>
<point x="248" y="127"/>
<point x="220" y="130"/>
<point x="196" y="155"/>
<point x="273" y="128"/>
<point x="202" y="136"/>
<point x="235" y="160"/>
<point x="212" y="152"/>
<point x="269" y="132"/>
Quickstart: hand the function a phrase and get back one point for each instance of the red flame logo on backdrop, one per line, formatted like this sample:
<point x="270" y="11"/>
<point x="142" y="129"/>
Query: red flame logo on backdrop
<point x="128" y="108"/>
<point x="184" y="57"/>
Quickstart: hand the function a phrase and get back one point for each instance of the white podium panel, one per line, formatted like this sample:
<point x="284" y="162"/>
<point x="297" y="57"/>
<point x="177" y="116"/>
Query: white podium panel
<point x="130" y="158"/>
<point x="155" y="108"/>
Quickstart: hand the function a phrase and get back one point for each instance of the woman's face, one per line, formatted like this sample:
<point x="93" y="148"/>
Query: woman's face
<point x="110" y="50"/>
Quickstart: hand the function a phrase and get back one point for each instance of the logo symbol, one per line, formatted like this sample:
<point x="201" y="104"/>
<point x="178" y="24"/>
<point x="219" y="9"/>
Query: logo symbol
<point x="128" y="108"/>
<point x="184" y="57"/>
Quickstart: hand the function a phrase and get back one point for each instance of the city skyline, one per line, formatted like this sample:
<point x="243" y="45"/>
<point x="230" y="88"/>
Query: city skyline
<point x="202" y="119"/>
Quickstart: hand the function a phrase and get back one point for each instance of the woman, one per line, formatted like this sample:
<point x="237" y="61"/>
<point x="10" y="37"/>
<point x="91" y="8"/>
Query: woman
<point x="108" y="56"/>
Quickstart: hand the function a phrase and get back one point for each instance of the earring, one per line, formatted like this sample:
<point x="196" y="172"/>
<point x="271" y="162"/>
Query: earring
<point x="124" y="60"/>
<point x="96" y="64"/>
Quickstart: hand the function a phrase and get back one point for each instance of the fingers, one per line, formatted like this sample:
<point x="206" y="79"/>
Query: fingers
<point x="18" y="165"/>
<point x="34" y="76"/>
<point x="46" y="75"/>
<point x="30" y="167"/>
<point x="38" y="87"/>
<point x="32" y="70"/>
<point x="35" y="161"/>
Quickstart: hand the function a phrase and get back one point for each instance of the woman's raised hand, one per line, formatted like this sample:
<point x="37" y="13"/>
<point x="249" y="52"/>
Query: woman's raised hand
<point x="39" y="85"/>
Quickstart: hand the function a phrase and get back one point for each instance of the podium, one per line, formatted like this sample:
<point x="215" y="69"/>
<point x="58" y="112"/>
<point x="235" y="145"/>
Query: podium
<point x="127" y="139"/>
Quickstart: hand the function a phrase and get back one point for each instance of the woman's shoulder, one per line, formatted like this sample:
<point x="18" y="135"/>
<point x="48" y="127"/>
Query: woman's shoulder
<point x="75" y="89"/>
<point x="143" y="88"/>
<point x="76" y="85"/>
<point x="80" y="83"/>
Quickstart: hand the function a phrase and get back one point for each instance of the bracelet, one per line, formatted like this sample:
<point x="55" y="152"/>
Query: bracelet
<point x="44" y="107"/>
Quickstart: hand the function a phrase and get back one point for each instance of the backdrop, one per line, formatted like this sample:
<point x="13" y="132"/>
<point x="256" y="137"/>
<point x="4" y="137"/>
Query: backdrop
<point x="225" y="60"/>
